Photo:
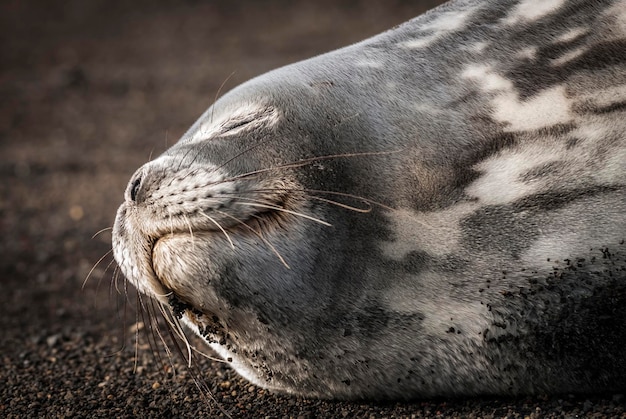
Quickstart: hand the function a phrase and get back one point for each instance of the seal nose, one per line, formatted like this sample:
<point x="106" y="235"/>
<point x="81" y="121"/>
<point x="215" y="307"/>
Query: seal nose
<point x="144" y="181"/>
<point x="134" y="187"/>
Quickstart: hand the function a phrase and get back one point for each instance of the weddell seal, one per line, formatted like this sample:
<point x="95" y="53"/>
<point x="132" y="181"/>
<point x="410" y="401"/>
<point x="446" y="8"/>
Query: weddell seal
<point x="439" y="210"/>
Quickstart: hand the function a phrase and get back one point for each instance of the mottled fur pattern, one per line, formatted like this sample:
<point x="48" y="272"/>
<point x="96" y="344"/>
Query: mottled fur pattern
<point x="438" y="210"/>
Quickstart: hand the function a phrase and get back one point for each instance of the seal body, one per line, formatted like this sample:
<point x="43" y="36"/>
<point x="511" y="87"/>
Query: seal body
<point x="438" y="210"/>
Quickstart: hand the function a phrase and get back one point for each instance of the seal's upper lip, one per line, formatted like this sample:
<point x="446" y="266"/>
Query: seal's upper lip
<point x="258" y="224"/>
<point x="259" y="218"/>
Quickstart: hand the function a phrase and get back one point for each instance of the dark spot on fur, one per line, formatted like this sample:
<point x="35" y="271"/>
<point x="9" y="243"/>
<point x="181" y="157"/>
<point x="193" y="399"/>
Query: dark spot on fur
<point x="514" y="227"/>
<point x="599" y="110"/>
<point x="414" y="262"/>
<point x="556" y="130"/>
<point x="533" y="76"/>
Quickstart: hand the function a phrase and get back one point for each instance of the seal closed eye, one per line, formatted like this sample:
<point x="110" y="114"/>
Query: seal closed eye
<point x="436" y="211"/>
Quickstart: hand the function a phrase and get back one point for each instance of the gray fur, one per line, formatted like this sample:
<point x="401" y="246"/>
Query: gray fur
<point x="486" y="139"/>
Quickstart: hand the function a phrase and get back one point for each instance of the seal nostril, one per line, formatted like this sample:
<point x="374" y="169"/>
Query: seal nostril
<point x="134" y="189"/>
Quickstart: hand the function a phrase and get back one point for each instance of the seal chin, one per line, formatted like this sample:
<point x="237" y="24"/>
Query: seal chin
<point x="185" y="275"/>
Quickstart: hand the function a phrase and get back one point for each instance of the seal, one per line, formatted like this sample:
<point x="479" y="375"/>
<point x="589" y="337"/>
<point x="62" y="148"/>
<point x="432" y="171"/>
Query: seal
<point x="439" y="210"/>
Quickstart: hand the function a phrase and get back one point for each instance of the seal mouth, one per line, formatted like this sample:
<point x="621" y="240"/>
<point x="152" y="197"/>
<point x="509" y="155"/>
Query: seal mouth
<point x="266" y="218"/>
<point x="169" y="236"/>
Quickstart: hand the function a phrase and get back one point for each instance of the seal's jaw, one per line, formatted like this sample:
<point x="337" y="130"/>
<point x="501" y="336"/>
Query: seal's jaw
<point x="142" y="263"/>
<point x="201" y="241"/>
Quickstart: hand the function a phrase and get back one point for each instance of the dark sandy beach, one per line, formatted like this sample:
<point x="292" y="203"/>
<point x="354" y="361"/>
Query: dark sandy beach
<point x="89" y="90"/>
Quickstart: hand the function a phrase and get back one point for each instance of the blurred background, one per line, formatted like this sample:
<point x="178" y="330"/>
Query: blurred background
<point x="89" y="90"/>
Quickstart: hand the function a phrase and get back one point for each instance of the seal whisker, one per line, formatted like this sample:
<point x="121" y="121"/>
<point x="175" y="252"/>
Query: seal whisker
<point x="100" y="281"/>
<point x="310" y="191"/>
<point x="298" y="214"/>
<point x="151" y="327"/>
<point x="259" y="235"/>
<point x="171" y="220"/>
<point x="193" y="242"/>
<point x="94" y="267"/>
<point x="232" y="245"/>
<point x="124" y="317"/>
<point x="175" y="332"/>
<point x="116" y="283"/>
<point x="176" y="327"/>
<point x="182" y="159"/>
<point x="200" y="385"/>
<point x="240" y="154"/>
<point x="197" y="153"/>
<point x="100" y="231"/>
<point x="125" y="294"/>
<point x="217" y="94"/>
<point x="167" y="294"/>
<point x="345" y="206"/>
<point x="155" y="330"/>
<point x="184" y="156"/>
<point x="146" y="319"/>
<point x="112" y="285"/>
<point x="348" y="195"/>
<point x="307" y="161"/>
<point x="137" y="314"/>
<point x="176" y="335"/>
<point x="159" y="306"/>
<point x="209" y="357"/>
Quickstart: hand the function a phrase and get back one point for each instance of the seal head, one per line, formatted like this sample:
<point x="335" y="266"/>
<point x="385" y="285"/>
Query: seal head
<point x="438" y="210"/>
